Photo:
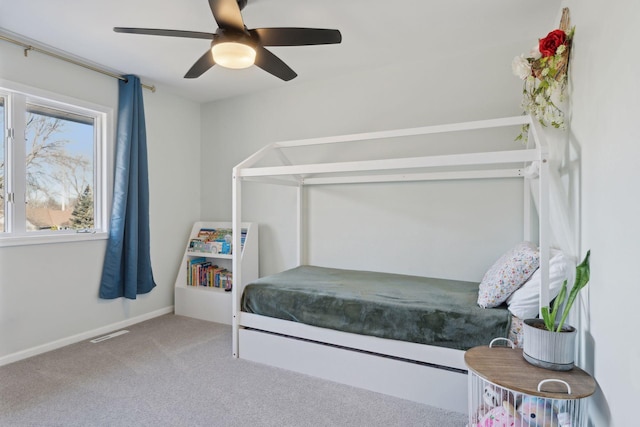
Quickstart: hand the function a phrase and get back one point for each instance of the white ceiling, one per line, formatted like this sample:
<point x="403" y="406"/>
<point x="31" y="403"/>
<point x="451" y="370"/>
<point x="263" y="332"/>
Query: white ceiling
<point x="374" y="33"/>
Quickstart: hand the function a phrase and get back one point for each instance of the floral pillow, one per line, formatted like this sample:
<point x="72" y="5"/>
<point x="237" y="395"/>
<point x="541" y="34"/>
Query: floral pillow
<point x="508" y="274"/>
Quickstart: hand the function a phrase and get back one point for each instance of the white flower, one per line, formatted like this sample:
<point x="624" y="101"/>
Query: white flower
<point x="534" y="53"/>
<point x="521" y="67"/>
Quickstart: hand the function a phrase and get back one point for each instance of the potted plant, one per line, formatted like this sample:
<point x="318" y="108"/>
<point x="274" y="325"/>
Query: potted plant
<point x="550" y="344"/>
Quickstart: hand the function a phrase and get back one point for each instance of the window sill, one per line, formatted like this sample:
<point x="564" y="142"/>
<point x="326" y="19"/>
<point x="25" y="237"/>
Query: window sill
<point x="51" y="238"/>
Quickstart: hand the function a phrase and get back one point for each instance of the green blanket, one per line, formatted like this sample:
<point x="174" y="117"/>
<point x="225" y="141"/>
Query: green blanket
<point x="407" y="308"/>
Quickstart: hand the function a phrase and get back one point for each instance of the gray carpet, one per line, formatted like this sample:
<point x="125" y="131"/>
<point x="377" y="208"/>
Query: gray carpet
<point x="178" y="371"/>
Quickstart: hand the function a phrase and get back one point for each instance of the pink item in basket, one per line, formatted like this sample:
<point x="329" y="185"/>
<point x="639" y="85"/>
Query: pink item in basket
<point x="500" y="416"/>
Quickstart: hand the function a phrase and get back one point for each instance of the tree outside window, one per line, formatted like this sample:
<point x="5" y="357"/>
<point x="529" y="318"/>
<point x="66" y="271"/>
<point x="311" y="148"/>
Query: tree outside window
<point x="59" y="170"/>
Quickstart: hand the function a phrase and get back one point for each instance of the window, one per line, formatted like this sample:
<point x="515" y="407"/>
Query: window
<point x="2" y="162"/>
<point x="52" y="168"/>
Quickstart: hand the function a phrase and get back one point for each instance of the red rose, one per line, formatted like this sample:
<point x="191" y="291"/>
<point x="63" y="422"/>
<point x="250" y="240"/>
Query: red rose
<point x="549" y="44"/>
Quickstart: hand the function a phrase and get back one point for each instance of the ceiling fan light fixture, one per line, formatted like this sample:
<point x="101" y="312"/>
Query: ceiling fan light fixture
<point x="233" y="55"/>
<point x="233" y="45"/>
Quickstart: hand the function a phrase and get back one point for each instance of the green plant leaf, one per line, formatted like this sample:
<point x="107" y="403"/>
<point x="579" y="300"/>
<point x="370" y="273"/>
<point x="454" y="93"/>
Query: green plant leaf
<point x="582" y="278"/>
<point x="546" y="316"/>
<point x="562" y="295"/>
<point x="550" y="319"/>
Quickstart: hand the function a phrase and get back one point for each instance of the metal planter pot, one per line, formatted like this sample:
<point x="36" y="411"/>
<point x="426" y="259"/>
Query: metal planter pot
<point x="546" y="349"/>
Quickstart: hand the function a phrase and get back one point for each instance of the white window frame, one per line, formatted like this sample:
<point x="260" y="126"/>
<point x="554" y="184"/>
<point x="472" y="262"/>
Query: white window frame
<point x="17" y="97"/>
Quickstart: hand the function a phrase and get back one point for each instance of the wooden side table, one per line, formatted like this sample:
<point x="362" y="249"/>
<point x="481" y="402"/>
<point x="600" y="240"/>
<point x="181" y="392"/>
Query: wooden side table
<point x="503" y="385"/>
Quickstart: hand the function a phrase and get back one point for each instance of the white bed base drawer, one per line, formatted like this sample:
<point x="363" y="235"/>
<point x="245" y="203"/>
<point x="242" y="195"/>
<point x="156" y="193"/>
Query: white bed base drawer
<point x="404" y="379"/>
<point x="430" y="354"/>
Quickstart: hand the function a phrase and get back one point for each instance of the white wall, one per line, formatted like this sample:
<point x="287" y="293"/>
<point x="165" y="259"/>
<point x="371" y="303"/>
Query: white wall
<point x="49" y="293"/>
<point x="605" y="101"/>
<point x="469" y="221"/>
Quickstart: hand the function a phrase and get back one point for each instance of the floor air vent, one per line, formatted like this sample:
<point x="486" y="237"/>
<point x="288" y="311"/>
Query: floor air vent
<point x="109" y="336"/>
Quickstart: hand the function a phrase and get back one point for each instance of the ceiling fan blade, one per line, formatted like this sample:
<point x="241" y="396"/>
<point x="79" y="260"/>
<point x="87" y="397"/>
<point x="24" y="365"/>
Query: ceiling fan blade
<point x="201" y="65"/>
<point x="227" y="14"/>
<point x="170" y="33"/>
<point x="274" y="65"/>
<point x="295" y="36"/>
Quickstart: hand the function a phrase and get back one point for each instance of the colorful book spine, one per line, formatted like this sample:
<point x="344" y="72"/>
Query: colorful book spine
<point x="215" y="241"/>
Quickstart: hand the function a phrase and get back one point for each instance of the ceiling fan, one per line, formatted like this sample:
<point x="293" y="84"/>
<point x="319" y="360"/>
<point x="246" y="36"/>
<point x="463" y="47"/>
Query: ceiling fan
<point x="235" y="46"/>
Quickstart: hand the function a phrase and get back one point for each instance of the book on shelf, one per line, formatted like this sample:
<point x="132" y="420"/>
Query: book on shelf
<point x="215" y="241"/>
<point x="201" y="272"/>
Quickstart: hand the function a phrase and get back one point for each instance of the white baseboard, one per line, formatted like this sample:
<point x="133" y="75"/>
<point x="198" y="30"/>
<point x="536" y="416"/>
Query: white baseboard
<point x="34" y="351"/>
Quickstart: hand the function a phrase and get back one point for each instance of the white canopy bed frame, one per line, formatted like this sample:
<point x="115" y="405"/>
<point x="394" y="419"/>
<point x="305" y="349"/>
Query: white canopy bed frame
<point x="423" y="373"/>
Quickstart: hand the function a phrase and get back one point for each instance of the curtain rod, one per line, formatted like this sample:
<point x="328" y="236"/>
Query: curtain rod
<point x="28" y="47"/>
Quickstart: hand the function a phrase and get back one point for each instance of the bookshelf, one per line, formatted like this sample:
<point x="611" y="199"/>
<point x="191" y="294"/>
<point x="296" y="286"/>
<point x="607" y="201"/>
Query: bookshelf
<point x="205" y="277"/>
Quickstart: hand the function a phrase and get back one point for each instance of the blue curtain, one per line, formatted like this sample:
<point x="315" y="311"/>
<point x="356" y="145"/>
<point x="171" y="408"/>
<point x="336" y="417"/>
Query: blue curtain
<point x="127" y="264"/>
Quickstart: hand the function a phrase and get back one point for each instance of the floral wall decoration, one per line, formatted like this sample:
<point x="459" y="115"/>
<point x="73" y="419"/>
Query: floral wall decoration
<point x="544" y="72"/>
